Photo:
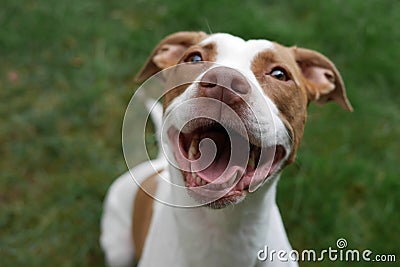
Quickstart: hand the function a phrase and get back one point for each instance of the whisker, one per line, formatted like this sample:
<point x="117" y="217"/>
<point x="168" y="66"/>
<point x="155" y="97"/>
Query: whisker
<point x="208" y="25"/>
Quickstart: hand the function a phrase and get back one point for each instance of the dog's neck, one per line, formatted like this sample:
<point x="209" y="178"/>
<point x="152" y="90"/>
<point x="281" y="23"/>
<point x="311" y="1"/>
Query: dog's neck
<point x="234" y="233"/>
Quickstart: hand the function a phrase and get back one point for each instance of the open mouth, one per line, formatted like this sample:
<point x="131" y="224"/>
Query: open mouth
<point x="219" y="163"/>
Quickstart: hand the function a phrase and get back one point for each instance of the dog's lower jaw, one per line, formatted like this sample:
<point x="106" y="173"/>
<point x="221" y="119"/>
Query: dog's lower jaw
<point x="231" y="236"/>
<point x="225" y="202"/>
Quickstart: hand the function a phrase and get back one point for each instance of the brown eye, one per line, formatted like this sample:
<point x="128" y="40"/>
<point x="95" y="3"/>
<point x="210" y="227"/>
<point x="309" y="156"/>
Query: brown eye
<point x="194" y="58"/>
<point x="279" y="74"/>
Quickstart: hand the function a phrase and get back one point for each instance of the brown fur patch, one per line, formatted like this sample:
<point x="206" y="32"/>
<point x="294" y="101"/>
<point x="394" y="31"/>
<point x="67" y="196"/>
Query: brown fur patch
<point x="290" y="96"/>
<point x="312" y="76"/>
<point x="185" y="39"/>
<point x="187" y="73"/>
<point x="171" y="94"/>
<point x="142" y="213"/>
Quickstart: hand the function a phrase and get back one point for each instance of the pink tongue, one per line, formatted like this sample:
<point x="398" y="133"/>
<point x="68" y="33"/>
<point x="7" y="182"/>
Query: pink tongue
<point x="219" y="165"/>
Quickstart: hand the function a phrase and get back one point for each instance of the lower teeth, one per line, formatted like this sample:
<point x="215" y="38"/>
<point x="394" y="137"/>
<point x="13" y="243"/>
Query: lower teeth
<point x="200" y="182"/>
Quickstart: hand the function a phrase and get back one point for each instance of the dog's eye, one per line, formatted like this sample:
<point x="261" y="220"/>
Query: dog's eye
<point x="279" y="74"/>
<point x="194" y="58"/>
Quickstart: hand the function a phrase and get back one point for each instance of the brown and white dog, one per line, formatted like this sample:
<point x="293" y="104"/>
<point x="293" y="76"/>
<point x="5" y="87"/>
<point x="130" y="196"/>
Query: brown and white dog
<point x="246" y="97"/>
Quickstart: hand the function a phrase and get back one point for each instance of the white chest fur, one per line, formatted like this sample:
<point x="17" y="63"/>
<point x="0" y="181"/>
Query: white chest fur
<point x="205" y="237"/>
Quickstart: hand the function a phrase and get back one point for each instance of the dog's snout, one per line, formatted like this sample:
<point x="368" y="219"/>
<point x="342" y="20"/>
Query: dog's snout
<point x="225" y="84"/>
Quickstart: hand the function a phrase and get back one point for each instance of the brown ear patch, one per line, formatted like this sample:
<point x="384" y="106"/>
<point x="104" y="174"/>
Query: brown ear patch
<point x="168" y="52"/>
<point x="323" y="81"/>
<point x="167" y="55"/>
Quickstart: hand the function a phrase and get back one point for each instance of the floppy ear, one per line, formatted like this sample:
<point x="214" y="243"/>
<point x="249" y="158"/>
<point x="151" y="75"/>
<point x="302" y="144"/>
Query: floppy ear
<point x="323" y="80"/>
<point x="168" y="52"/>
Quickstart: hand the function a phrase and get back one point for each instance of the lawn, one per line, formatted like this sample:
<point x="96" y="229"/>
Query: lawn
<point x="66" y="77"/>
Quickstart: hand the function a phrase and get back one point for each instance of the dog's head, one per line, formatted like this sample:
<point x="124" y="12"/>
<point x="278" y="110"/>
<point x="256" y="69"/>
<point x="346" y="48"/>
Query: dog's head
<point x="236" y="109"/>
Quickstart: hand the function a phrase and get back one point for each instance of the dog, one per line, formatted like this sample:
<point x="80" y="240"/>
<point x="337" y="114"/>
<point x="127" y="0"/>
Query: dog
<point x="244" y="107"/>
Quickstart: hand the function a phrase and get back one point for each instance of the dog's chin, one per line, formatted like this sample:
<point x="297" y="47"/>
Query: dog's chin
<point x="223" y="202"/>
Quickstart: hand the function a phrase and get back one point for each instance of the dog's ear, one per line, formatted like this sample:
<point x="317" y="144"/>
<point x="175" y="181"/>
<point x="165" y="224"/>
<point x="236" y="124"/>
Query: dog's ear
<point x="322" y="79"/>
<point x="168" y="52"/>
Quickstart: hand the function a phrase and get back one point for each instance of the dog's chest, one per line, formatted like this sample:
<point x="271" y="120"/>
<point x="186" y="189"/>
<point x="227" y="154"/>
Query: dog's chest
<point x="227" y="248"/>
<point x="204" y="237"/>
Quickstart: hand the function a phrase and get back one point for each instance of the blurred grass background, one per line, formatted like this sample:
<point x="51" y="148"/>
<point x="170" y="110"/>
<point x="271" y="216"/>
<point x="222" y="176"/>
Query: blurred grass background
<point x="66" y="78"/>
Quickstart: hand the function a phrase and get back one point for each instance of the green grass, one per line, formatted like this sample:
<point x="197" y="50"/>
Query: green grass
<point x="66" y="78"/>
